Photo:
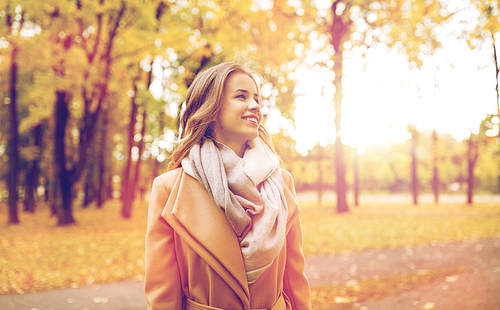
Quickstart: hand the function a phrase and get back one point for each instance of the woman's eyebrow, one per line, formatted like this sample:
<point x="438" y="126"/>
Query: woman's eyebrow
<point x="241" y="90"/>
<point x="244" y="91"/>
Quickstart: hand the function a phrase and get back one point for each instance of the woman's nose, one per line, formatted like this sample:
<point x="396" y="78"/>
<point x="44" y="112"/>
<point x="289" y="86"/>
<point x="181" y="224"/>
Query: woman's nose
<point x="254" y="105"/>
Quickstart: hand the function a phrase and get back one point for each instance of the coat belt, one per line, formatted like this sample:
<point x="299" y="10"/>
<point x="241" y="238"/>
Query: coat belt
<point x="193" y="305"/>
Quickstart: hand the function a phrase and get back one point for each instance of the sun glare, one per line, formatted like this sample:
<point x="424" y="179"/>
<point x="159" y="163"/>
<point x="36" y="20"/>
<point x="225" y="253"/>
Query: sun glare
<point x="452" y="92"/>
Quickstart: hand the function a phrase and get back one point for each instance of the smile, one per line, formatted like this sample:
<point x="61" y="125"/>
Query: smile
<point x="252" y="119"/>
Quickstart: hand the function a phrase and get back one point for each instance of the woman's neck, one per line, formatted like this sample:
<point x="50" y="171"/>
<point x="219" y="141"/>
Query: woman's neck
<point x="238" y="148"/>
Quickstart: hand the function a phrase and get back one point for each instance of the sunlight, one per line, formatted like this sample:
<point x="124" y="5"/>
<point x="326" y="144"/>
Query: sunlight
<point x="452" y="92"/>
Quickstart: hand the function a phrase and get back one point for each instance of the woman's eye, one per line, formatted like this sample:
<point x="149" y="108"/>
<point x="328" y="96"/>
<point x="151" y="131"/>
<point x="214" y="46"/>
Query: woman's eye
<point x="241" y="96"/>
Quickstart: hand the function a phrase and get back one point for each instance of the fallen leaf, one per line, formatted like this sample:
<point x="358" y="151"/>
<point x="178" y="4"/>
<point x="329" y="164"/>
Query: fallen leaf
<point x="423" y="272"/>
<point x="100" y="300"/>
<point x="451" y="279"/>
<point x="341" y="300"/>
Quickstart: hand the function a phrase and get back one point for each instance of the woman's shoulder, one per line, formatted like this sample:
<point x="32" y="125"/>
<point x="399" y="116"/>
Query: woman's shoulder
<point x="286" y="174"/>
<point x="287" y="177"/>
<point x="167" y="179"/>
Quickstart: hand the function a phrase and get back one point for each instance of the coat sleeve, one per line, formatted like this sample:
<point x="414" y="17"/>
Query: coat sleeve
<point x="296" y="285"/>
<point x="162" y="285"/>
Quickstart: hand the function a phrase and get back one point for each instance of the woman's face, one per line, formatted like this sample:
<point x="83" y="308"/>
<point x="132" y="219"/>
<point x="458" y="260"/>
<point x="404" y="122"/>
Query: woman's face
<point x="240" y="114"/>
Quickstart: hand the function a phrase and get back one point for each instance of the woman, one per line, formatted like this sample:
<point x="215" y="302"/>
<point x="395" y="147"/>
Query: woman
<point x="223" y="228"/>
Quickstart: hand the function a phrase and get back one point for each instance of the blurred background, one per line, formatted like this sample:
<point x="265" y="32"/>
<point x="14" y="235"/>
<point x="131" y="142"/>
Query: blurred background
<point x="386" y="113"/>
<point x="362" y="97"/>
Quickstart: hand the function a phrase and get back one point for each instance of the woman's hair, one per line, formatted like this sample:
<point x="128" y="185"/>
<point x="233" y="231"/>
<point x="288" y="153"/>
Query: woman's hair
<point x="203" y="103"/>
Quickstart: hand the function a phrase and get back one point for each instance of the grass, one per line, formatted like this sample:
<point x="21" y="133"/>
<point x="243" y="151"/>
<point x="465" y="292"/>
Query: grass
<point x="105" y="248"/>
<point x="385" y="225"/>
<point x="102" y="248"/>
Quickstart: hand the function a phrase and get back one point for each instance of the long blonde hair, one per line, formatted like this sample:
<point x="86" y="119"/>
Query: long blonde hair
<point x="203" y="103"/>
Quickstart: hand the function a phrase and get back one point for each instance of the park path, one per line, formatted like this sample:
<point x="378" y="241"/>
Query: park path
<point x="477" y="288"/>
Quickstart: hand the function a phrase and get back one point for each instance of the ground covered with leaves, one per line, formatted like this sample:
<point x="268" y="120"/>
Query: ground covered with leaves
<point x="102" y="247"/>
<point x="379" y="225"/>
<point x="105" y="248"/>
<point x="388" y="249"/>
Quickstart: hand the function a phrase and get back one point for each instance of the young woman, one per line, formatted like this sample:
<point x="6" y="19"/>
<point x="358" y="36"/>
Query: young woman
<point x="223" y="227"/>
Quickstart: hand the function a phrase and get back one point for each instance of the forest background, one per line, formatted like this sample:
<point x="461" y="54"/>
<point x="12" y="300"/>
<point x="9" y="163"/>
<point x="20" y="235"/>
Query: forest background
<point x="91" y="91"/>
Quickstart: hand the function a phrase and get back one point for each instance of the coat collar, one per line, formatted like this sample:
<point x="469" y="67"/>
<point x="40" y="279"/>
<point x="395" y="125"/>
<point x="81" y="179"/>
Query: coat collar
<point x="187" y="210"/>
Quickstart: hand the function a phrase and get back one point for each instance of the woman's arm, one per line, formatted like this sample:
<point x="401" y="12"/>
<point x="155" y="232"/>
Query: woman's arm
<point x="162" y="284"/>
<point x="296" y="285"/>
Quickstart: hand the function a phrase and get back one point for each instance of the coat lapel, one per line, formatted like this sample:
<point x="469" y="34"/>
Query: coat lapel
<point x="193" y="214"/>
<point x="191" y="210"/>
<point x="293" y="207"/>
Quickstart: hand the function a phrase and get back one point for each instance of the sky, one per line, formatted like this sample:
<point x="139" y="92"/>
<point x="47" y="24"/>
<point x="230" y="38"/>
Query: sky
<point x="457" y="91"/>
<point x="452" y="92"/>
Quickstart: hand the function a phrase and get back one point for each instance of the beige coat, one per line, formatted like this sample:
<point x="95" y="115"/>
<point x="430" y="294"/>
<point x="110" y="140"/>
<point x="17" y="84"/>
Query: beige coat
<point x="193" y="252"/>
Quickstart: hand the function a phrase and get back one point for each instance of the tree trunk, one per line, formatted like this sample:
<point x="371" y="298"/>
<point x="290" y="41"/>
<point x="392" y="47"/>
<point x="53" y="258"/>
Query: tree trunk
<point x="13" y="218"/>
<point x="340" y="169"/>
<point x="89" y="185"/>
<point x="497" y="73"/>
<point x="320" y="175"/>
<point x="47" y="191"/>
<point x="101" y="193"/>
<point x="156" y="163"/>
<point x="32" y="173"/>
<point x="356" y="177"/>
<point x="140" y="145"/>
<point x="414" y="165"/>
<point x="435" y="164"/>
<point x="63" y="185"/>
<point x="338" y="31"/>
<point x="472" y="155"/>
<point x="109" y="187"/>
<point x="127" y="197"/>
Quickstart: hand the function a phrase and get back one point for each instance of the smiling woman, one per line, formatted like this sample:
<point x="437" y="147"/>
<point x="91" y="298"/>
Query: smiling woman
<point x="240" y="114"/>
<point x="223" y="226"/>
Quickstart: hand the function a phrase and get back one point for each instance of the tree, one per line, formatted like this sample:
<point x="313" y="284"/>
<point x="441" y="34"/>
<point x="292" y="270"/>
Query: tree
<point x="13" y="116"/>
<point x="435" y="166"/>
<point x="486" y="28"/>
<point x="93" y="32"/>
<point x="319" y="161"/>
<point x="472" y="156"/>
<point x="102" y="152"/>
<point x="356" y="176"/>
<point x="13" y="141"/>
<point x="32" y="173"/>
<point x="414" y="163"/>
<point x="397" y="24"/>
<point x="475" y="146"/>
<point x="131" y="175"/>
